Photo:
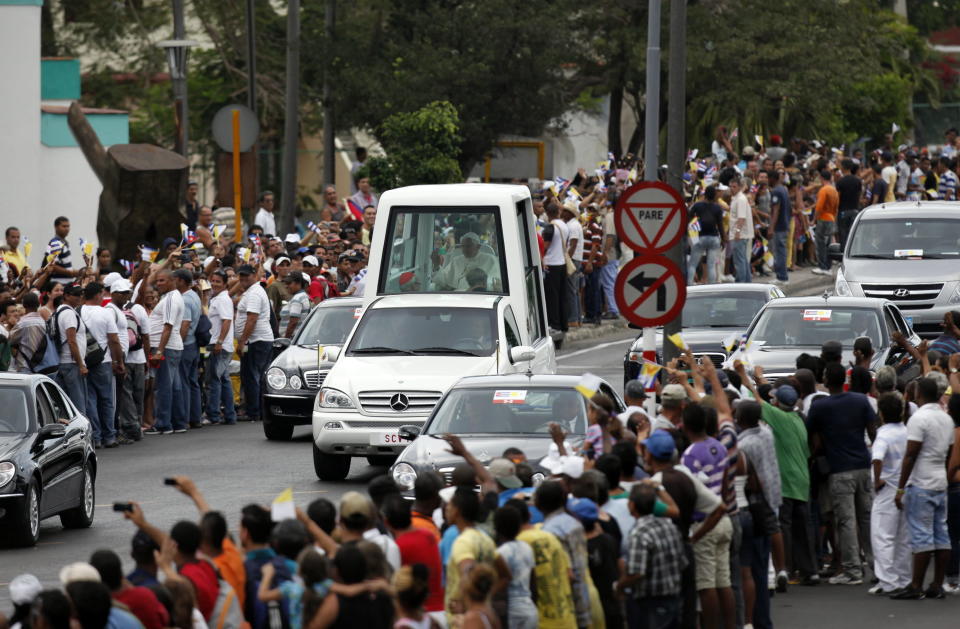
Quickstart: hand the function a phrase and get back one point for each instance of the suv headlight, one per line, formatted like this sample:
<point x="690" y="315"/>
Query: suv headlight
<point x="404" y="475"/>
<point x="842" y="288"/>
<point x="7" y="471"/>
<point x="955" y="298"/>
<point x="276" y="379"/>
<point x="332" y="398"/>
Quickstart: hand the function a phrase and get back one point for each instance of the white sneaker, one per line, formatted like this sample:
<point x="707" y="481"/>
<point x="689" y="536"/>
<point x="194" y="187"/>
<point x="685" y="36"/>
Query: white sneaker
<point x="728" y="279"/>
<point x="817" y="271"/>
<point x="951" y="588"/>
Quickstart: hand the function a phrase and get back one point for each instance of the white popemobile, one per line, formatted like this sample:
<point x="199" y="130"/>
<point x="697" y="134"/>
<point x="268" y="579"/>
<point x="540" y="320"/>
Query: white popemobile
<point x="453" y="289"/>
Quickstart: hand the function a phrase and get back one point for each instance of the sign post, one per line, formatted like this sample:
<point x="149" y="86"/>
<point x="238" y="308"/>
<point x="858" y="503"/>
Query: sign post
<point x="650" y="290"/>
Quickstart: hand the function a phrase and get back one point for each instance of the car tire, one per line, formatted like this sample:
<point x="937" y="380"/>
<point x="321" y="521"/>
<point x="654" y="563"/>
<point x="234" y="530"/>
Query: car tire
<point x="330" y="467"/>
<point x="25" y="529"/>
<point x="81" y="516"/>
<point x="382" y="460"/>
<point x="276" y="431"/>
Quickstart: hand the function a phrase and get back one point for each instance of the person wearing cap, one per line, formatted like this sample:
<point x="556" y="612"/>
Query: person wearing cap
<point x="345" y="264"/>
<point x="187" y="411"/>
<point x="71" y="335"/>
<point x="298" y="305"/>
<point x="166" y="346"/>
<point x="101" y="405"/>
<point x="120" y="291"/>
<point x="740" y="233"/>
<point x="132" y="389"/>
<point x="254" y="337"/>
<point x="452" y="276"/>
<point x="264" y="217"/>
<point x="277" y="290"/>
<point x="673" y="399"/>
<point x="570" y="215"/>
<point x="24" y="588"/>
<point x="837" y="424"/>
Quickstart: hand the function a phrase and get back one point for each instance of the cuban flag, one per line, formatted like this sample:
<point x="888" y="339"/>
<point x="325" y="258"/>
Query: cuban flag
<point x="313" y="227"/>
<point x="355" y="209"/>
<point x="129" y="266"/>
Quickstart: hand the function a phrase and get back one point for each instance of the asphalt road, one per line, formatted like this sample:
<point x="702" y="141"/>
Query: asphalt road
<point x="234" y="466"/>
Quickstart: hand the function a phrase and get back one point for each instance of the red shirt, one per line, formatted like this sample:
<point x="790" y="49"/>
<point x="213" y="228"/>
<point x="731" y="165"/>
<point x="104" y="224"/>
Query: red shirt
<point x="143" y="604"/>
<point x="205" y="583"/>
<point x="420" y="546"/>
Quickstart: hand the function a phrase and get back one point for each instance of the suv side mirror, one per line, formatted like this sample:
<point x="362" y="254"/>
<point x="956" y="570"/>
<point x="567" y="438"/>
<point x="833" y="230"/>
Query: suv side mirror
<point x="522" y="353"/>
<point x="51" y="431"/>
<point x="834" y="252"/>
<point x="331" y="353"/>
<point x="409" y="433"/>
<point x="281" y="343"/>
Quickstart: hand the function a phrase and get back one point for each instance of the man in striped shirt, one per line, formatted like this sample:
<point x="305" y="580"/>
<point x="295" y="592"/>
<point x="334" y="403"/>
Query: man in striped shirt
<point x="63" y="272"/>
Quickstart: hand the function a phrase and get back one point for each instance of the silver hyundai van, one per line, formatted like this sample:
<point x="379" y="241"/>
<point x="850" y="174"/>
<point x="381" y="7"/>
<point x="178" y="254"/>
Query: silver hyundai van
<point x="909" y="253"/>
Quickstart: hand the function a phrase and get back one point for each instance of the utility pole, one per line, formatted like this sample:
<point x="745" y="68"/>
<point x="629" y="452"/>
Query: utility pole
<point x="676" y="136"/>
<point x="291" y="126"/>
<point x="329" y="126"/>
<point x="180" y="80"/>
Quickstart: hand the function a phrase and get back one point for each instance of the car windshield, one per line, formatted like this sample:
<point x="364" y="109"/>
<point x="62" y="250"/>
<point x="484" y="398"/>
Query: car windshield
<point x="327" y="326"/>
<point x="906" y="238"/>
<point x="421" y="331"/>
<point x="14" y="417"/>
<point x="710" y="310"/>
<point x="443" y="250"/>
<point x="509" y="411"/>
<point x="815" y="326"/>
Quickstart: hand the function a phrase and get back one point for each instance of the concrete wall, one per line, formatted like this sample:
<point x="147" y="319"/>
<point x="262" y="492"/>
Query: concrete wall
<point x="20" y="117"/>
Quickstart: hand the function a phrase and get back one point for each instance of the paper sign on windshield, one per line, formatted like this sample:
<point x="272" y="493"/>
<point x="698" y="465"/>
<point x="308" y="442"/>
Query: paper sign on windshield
<point x="357" y="312"/>
<point x="908" y="253"/>
<point x="817" y="315"/>
<point x="509" y="397"/>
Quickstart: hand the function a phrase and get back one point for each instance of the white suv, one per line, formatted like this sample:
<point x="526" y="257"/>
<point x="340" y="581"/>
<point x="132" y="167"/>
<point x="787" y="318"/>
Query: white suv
<point x="401" y="357"/>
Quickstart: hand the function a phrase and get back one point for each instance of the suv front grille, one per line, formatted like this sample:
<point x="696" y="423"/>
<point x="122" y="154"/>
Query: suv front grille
<point x="386" y="425"/>
<point x="717" y="359"/>
<point x="314" y="378"/>
<point x="417" y="402"/>
<point x="906" y="296"/>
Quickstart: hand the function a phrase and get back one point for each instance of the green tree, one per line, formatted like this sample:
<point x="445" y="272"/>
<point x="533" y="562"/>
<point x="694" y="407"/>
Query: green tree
<point x="422" y="148"/>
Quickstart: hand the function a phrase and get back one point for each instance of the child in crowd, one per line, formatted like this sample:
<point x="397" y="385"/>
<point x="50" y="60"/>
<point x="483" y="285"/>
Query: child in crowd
<point x="302" y="597"/>
<point x="522" y="613"/>
<point x="411" y="584"/>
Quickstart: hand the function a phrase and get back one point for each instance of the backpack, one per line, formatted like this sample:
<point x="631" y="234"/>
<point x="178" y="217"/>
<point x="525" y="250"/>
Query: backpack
<point x="134" y="333"/>
<point x="226" y="611"/>
<point x="46" y="357"/>
<point x="203" y="331"/>
<point x="94" y="353"/>
<point x="260" y="615"/>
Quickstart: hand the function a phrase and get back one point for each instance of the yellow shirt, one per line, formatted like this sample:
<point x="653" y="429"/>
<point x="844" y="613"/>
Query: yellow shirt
<point x="471" y="544"/>
<point x="14" y="258"/>
<point x="554" y="597"/>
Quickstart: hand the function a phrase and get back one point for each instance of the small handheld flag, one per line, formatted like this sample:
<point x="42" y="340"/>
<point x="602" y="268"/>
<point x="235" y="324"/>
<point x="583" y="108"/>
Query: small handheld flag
<point x="588" y="386"/>
<point x="354" y="208"/>
<point x="148" y="254"/>
<point x="677" y="340"/>
<point x="648" y="374"/>
<point x="27" y="247"/>
<point x="218" y="231"/>
<point x="283" y="508"/>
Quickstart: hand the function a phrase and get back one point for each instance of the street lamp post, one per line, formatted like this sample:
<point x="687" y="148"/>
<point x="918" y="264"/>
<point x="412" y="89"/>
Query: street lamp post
<point x="176" y="50"/>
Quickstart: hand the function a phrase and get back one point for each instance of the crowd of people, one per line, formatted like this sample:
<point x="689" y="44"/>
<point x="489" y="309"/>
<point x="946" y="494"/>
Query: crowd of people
<point x="737" y="487"/>
<point x="150" y="349"/>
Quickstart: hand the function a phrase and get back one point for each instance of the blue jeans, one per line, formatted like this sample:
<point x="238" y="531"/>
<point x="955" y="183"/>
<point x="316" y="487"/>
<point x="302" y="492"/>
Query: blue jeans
<point x="780" y="255"/>
<point x="188" y="403"/>
<point x="709" y="245"/>
<point x="252" y="365"/>
<point x="759" y="560"/>
<point x="101" y="406"/>
<point x="739" y="248"/>
<point x="823" y="233"/>
<point x="659" y="612"/>
<point x="608" y="278"/>
<point x="220" y="389"/>
<point x="166" y="383"/>
<point x="592" y="297"/>
<point x="573" y="294"/>
<point x="75" y="386"/>
<point x="927" y="519"/>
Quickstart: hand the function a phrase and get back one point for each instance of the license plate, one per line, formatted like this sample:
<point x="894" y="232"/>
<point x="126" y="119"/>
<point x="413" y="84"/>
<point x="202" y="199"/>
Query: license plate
<point x="391" y="438"/>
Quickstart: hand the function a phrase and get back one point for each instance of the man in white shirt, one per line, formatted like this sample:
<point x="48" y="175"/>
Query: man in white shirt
<point x="72" y="339"/>
<point x="555" y="236"/>
<point x="115" y="309"/>
<point x="130" y="391"/>
<point x="453" y="274"/>
<point x="254" y="337"/>
<point x="264" y="217"/>
<point x="922" y="490"/>
<point x="219" y="387"/>
<point x="102" y="326"/>
<point x="570" y="215"/>
<point x="167" y="347"/>
<point x="889" y="535"/>
<point x="740" y="232"/>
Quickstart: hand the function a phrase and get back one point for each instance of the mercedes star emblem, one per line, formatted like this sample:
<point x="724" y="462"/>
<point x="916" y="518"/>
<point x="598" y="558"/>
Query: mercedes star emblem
<point x="399" y="402"/>
<point x="901" y="292"/>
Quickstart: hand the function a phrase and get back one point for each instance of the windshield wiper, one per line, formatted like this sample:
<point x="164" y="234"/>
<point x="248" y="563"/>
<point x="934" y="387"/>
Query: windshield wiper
<point x="382" y="350"/>
<point x="873" y="256"/>
<point x="444" y="350"/>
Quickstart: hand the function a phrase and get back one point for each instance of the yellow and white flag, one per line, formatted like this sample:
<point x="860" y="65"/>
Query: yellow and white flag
<point x="588" y="386"/>
<point x="677" y="340"/>
<point x="283" y="507"/>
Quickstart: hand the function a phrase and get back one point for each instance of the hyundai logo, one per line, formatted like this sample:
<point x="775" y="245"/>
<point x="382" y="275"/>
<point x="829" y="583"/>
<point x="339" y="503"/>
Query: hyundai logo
<point x="901" y="292"/>
<point x="399" y="402"/>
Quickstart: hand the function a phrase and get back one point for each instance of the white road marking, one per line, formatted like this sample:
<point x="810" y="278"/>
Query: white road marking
<point x="591" y="349"/>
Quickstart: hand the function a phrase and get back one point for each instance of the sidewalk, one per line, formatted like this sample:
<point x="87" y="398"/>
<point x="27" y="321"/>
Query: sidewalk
<point x="803" y="282"/>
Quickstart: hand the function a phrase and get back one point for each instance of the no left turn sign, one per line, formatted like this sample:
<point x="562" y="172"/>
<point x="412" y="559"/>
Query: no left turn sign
<point x="650" y="291"/>
<point x="650" y="217"/>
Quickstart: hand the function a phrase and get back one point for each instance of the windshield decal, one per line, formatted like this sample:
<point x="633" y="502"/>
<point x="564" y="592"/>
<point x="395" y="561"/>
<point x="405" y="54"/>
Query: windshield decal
<point x="908" y="253"/>
<point x="357" y="312"/>
<point x="509" y="396"/>
<point x="817" y="315"/>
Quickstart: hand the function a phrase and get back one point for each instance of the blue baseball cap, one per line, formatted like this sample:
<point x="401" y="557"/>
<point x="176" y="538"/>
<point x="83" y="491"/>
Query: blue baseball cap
<point x="787" y="395"/>
<point x="660" y="444"/>
<point x="583" y="509"/>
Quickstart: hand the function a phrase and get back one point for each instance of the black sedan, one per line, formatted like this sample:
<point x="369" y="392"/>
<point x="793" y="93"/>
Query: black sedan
<point x="491" y="414"/>
<point x="297" y="373"/>
<point x="47" y="463"/>
<point x="712" y="315"/>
